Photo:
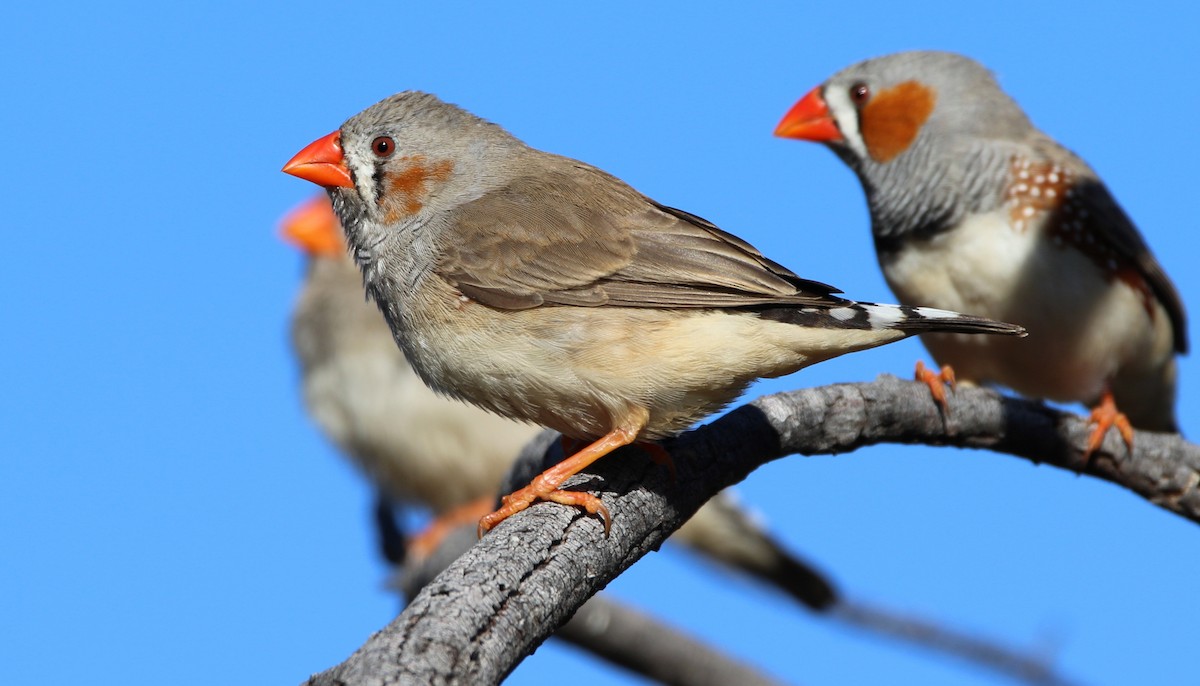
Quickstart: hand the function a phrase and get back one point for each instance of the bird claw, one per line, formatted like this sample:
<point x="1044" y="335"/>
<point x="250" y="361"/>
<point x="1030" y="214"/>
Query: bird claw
<point x="520" y="500"/>
<point x="937" y="383"/>
<point x="546" y="485"/>
<point x="1104" y="416"/>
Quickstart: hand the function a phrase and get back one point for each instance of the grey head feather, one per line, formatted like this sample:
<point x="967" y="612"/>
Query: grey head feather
<point x="959" y="161"/>
<point x="421" y="125"/>
<point x="481" y="156"/>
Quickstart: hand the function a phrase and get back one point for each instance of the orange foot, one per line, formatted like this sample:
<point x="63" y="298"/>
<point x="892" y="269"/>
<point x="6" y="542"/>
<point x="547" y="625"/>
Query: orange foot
<point x="1105" y="415"/>
<point x="546" y="485"/>
<point x="424" y="543"/>
<point x="937" y="384"/>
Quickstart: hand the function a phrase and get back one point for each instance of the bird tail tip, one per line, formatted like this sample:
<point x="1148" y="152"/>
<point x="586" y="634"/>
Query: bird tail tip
<point x="930" y="319"/>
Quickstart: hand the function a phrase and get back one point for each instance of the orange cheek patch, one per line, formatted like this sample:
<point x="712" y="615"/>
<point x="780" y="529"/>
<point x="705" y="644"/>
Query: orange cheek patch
<point x="891" y="120"/>
<point x="409" y="187"/>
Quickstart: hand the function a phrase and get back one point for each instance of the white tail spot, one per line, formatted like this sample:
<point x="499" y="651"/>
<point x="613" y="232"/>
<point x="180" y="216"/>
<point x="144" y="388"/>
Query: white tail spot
<point x="931" y="313"/>
<point x="884" y="316"/>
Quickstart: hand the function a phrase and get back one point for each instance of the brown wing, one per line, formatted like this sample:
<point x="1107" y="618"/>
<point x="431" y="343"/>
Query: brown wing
<point x="574" y="235"/>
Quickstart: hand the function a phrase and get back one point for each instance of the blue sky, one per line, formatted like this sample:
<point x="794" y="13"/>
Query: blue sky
<point x="168" y="513"/>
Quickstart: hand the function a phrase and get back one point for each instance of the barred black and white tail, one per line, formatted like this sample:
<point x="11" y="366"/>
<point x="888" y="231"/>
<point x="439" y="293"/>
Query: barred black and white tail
<point x="856" y="315"/>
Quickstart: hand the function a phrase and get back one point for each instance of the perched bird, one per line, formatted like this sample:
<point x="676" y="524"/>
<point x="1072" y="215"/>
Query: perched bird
<point x="543" y="289"/>
<point x="420" y="448"/>
<point x="974" y="208"/>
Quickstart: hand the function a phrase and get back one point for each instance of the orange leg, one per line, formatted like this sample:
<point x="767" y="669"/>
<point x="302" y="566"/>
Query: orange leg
<point x="658" y="454"/>
<point x="424" y="543"/>
<point x="1105" y="415"/>
<point x="937" y="384"/>
<point x="546" y="485"/>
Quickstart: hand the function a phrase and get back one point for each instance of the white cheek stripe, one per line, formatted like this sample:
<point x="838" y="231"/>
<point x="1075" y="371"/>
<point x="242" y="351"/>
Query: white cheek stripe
<point x="364" y="177"/>
<point x="837" y="99"/>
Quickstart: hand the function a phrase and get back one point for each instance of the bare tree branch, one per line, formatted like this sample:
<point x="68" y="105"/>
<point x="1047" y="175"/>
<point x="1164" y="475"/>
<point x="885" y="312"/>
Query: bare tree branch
<point x="500" y="600"/>
<point x="659" y="652"/>
<point x="1162" y="468"/>
<point x="608" y="629"/>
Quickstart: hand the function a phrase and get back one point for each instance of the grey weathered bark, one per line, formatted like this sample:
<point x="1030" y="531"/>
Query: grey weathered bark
<point x="629" y="639"/>
<point x="499" y="601"/>
<point x="608" y="629"/>
<point x="781" y="572"/>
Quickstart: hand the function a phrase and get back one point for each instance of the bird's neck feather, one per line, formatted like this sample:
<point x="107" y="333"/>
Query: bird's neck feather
<point x="932" y="187"/>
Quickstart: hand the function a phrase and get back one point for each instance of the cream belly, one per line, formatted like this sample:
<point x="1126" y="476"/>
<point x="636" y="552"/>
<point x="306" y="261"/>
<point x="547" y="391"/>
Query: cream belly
<point x="1083" y="327"/>
<point x="586" y="371"/>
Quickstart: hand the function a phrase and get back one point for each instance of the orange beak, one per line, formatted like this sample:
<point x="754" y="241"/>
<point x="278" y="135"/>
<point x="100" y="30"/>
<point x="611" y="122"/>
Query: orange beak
<point x="314" y="228"/>
<point x="322" y="163"/>
<point x="809" y="120"/>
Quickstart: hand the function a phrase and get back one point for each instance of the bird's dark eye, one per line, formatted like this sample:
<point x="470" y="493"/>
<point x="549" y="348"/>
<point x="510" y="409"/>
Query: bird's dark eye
<point x="859" y="94"/>
<point x="383" y="146"/>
